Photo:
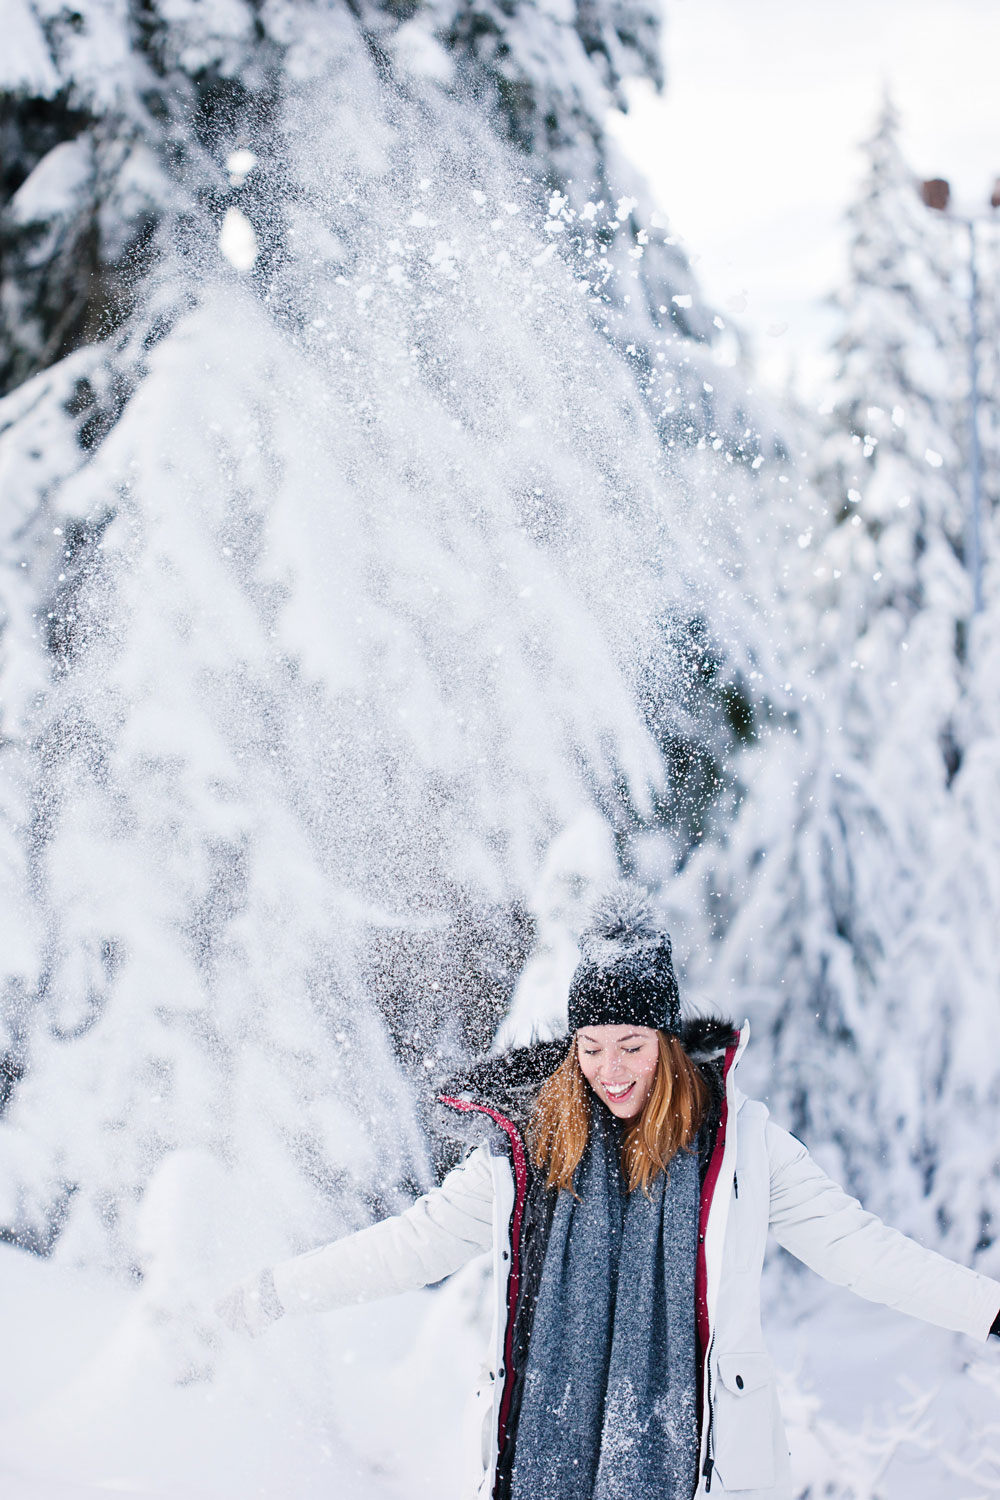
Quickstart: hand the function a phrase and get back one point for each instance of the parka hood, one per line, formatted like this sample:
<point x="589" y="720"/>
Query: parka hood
<point x="507" y="1082"/>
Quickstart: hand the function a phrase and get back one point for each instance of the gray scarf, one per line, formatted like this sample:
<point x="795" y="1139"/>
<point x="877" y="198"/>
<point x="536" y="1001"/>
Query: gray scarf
<point x="609" y="1408"/>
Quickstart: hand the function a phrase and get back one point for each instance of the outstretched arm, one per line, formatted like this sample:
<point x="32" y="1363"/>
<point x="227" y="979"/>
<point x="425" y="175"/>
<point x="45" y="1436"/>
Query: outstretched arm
<point x="429" y="1240"/>
<point x="432" y="1238"/>
<point x="823" y="1226"/>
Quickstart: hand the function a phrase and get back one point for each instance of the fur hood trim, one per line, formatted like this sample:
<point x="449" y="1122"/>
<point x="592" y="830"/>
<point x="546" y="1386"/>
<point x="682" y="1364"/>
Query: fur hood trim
<point x="504" y="1081"/>
<point x="708" y="1038"/>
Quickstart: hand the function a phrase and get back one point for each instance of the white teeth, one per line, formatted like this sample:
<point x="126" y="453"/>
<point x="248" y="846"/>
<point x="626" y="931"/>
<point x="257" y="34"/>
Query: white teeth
<point x="616" y="1090"/>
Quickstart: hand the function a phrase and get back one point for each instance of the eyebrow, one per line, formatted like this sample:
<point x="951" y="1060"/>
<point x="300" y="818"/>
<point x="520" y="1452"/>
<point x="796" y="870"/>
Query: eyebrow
<point x="595" y="1043"/>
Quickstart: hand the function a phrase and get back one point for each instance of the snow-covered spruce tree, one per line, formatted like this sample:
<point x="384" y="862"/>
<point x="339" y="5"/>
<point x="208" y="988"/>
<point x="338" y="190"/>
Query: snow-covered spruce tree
<point x="106" y="140"/>
<point x="337" y="585"/>
<point x="894" y="464"/>
<point x="860" y="875"/>
<point x="900" y="698"/>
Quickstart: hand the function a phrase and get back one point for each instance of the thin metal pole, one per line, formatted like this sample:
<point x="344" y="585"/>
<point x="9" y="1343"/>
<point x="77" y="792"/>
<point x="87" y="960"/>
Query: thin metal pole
<point x="975" y="463"/>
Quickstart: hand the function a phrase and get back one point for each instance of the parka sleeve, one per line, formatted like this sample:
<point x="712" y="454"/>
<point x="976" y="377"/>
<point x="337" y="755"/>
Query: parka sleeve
<point x="435" y="1236"/>
<point x="823" y="1226"/>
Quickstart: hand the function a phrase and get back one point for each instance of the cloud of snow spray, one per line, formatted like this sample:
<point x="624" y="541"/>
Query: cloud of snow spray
<point x="351" y="612"/>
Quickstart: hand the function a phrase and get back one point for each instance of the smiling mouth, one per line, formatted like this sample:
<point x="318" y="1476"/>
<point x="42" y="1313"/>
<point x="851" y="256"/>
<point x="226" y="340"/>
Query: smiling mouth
<point x="616" y="1092"/>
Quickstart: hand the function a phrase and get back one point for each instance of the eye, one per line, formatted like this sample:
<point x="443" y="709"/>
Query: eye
<point x="633" y="1049"/>
<point x="590" y="1051"/>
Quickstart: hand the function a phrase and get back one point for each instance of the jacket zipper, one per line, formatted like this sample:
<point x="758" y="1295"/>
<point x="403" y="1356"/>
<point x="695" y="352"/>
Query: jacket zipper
<point x="708" y="1466"/>
<point x="710" y="1434"/>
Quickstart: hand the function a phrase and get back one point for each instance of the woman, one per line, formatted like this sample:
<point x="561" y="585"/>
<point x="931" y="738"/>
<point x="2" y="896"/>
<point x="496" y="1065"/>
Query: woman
<point x="626" y="1187"/>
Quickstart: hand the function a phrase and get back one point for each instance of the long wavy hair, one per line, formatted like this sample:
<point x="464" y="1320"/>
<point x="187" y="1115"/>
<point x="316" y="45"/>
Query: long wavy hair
<point x="669" y="1121"/>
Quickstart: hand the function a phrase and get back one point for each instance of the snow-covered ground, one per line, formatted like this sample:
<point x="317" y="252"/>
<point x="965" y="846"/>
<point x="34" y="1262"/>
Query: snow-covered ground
<point x="878" y="1404"/>
<point x="96" y="1400"/>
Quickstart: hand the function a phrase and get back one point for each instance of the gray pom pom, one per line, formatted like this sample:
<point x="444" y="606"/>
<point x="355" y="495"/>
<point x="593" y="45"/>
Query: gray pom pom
<point x="620" y="921"/>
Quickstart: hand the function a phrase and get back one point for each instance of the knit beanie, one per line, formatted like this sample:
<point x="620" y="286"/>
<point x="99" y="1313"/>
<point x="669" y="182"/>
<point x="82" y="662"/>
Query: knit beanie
<point x="625" y="975"/>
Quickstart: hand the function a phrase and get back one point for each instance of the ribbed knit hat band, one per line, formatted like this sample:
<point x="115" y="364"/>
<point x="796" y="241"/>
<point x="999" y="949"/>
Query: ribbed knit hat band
<point x="626" y="973"/>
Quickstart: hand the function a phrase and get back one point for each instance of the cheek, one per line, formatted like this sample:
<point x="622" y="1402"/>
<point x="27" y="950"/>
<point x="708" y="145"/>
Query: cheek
<point x="647" y="1070"/>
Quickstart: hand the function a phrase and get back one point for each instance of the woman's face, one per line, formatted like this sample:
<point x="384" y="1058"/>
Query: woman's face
<point x="619" y="1063"/>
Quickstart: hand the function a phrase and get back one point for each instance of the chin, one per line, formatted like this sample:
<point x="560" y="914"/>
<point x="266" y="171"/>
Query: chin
<point x="628" y="1108"/>
<point x="628" y="1111"/>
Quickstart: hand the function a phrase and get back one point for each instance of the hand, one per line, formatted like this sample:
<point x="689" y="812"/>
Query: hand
<point x="252" y="1305"/>
<point x="189" y="1339"/>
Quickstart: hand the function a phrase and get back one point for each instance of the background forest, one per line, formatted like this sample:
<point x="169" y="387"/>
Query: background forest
<point x="394" y="545"/>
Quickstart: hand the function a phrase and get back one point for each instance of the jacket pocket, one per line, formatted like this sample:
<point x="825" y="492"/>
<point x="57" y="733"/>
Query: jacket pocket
<point x="745" y="1412"/>
<point x="479" y="1432"/>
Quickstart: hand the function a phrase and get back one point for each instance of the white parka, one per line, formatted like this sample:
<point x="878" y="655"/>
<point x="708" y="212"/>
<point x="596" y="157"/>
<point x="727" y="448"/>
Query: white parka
<point x="760" y="1178"/>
